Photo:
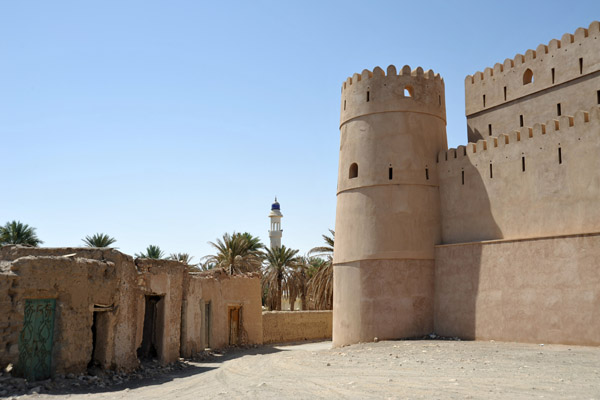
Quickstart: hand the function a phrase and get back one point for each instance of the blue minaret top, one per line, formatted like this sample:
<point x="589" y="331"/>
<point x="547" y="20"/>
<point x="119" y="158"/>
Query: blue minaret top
<point x="275" y="206"/>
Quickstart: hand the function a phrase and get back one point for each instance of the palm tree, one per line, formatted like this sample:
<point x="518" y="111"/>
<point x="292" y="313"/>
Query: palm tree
<point x="297" y="284"/>
<point x="99" y="240"/>
<point x="321" y="283"/>
<point x="184" y="258"/>
<point x="152" y="251"/>
<point x="278" y="261"/>
<point x="237" y="253"/>
<point x="16" y="232"/>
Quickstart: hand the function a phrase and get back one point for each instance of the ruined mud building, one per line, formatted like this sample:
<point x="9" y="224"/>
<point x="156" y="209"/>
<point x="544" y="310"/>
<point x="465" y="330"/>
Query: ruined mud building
<point x="66" y="309"/>
<point x="498" y="239"/>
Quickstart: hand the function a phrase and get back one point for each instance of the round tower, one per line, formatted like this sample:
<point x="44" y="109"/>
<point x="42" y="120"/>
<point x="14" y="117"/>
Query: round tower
<point x="275" y="232"/>
<point x="388" y="209"/>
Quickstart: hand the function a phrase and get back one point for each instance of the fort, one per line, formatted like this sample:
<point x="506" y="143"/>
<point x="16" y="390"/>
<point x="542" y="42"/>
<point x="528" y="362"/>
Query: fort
<point x="496" y="239"/>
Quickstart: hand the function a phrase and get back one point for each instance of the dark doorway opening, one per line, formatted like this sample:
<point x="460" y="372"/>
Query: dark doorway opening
<point x="153" y="324"/>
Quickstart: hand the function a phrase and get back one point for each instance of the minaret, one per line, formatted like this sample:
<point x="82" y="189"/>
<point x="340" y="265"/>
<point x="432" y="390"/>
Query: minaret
<point x="275" y="232"/>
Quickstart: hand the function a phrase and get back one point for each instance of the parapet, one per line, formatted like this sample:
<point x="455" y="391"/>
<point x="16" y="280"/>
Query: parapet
<point x="564" y="130"/>
<point x="560" y="61"/>
<point x="408" y="90"/>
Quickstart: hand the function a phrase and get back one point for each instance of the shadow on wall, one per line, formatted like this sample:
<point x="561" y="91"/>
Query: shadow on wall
<point x="466" y="217"/>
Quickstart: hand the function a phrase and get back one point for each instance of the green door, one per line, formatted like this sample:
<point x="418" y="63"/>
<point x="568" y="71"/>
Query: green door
<point x="35" y="341"/>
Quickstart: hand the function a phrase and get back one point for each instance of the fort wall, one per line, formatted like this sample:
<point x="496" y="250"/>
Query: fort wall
<point x="543" y="290"/>
<point x="555" y="79"/>
<point x="539" y="181"/>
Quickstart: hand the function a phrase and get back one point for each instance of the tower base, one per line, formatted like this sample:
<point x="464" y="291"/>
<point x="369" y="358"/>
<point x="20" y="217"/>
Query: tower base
<point x="383" y="299"/>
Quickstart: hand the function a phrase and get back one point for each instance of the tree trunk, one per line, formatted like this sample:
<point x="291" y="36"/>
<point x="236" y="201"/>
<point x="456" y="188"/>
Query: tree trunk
<point x="279" y="294"/>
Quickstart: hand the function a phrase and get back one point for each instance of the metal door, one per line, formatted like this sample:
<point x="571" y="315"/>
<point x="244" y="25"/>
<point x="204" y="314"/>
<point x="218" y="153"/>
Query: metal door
<point x="35" y="341"/>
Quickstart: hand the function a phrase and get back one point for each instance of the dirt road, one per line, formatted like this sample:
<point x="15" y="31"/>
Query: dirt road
<point x="394" y="370"/>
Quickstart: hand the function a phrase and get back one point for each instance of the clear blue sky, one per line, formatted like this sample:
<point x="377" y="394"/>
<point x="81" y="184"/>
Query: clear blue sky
<point x="173" y="122"/>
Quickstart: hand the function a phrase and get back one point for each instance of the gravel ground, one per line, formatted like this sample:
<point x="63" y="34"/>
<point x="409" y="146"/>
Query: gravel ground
<point x="421" y="369"/>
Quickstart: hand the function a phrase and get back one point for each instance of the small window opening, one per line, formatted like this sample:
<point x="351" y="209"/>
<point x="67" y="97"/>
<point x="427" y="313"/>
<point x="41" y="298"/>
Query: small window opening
<point x="581" y="65"/>
<point x="491" y="171"/>
<point x="368" y="95"/>
<point x="504" y="93"/>
<point x="440" y="99"/>
<point x="490" y="129"/>
<point x="521" y="119"/>
<point x="426" y="174"/>
<point x="462" y="173"/>
<point x="553" y="75"/>
<point x="408" y="91"/>
<point x="344" y="104"/>
<point x="528" y="77"/>
<point x="484" y="100"/>
<point x="598" y="95"/>
<point x="558" y="111"/>
<point x="523" y="163"/>
<point x="559" y="156"/>
<point x="390" y="173"/>
<point x="353" y="173"/>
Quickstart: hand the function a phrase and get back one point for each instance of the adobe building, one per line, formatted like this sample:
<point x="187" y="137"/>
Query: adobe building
<point x="497" y="239"/>
<point x="65" y="310"/>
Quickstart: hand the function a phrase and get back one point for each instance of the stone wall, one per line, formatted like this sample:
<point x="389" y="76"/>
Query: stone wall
<point x="295" y="326"/>
<point x="544" y="290"/>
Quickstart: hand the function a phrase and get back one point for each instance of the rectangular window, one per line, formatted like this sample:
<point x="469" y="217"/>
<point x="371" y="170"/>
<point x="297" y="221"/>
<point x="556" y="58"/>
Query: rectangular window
<point x="463" y="176"/>
<point x="598" y="95"/>
<point x="490" y="129"/>
<point x="581" y="65"/>
<point x="559" y="156"/>
<point x="390" y="173"/>
<point x="344" y="104"/>
<point x="504" y="93"/>
<point x="558" y="111"/>
<point x="426" y="173"/>
<point x="523" y="163"/>
<point x="521" y="119"/>
<point x="484" y="100"/>
<point x="491" y="171"/>
<point x="368" y="95"/>
<point x="552" y="75"/>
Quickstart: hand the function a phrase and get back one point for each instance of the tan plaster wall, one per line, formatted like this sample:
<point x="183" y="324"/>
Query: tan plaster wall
<point x="575" y="89"/>
<point x="548" y="198"/>
<point x="222" y="291"/>
<point x="294" y="326"/>
<point x="541" y="290"/>
<point x="387" y="299"/>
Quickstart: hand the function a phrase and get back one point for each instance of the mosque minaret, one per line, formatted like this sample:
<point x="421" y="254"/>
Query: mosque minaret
<point x="275" y="232"/>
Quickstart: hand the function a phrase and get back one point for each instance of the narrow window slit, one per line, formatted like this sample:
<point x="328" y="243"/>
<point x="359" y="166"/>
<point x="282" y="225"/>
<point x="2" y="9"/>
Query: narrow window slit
<point x="390" y="173"/>
<point x="368" y="95"/>
<point x="463" y="176"/>
<point x="598" y="95"/>
<point x="581" y="66"/>
<point x="553" y="74"/>
<point x="558" y="111"/>
<point x="491" y="171"/>
<point x="344" y="104"/>
<point x="440" y="99"/>
<point x="484" y="100"/>
<point x="521" y="119"/>
<point x="490" y="129"/>
<point x="427" y="173"/>
<point x="523" y="163"/>
<point x="504" y="93"/>
<point x="559" y="156"/>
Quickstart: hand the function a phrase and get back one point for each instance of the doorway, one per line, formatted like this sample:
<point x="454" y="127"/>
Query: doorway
<point x="36" y="339"/>
<point x="234" y="325"/>
<point x="151" y="347"/>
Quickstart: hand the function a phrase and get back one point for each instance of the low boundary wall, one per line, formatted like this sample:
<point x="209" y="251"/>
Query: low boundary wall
<point x="294" y="326"/>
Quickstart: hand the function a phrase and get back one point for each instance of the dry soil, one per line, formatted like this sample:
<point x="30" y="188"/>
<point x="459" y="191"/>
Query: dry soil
<point x="384" y="370"/>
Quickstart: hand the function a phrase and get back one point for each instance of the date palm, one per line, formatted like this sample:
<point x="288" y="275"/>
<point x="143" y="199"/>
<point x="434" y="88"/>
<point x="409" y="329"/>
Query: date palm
<point x="278" y="262"/>
<point x="152" y="251"/>
<point x="184" y="258"/>
<point x="16" y="232"/>
<point x="99" y="240"/>
<point x="298" y="278"/>
<point x="321" y="283"/>
<point x="237" y="253"/>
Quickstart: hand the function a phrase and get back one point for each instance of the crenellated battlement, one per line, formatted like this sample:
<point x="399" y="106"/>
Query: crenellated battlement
<point x="560" y="61"/>
<point x="519" y="142"/>
<point x="381" y="91"/>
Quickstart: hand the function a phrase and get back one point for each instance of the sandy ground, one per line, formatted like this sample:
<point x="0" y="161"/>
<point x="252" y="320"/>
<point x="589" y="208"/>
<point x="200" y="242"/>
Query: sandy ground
<point x="384" y="370"/>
